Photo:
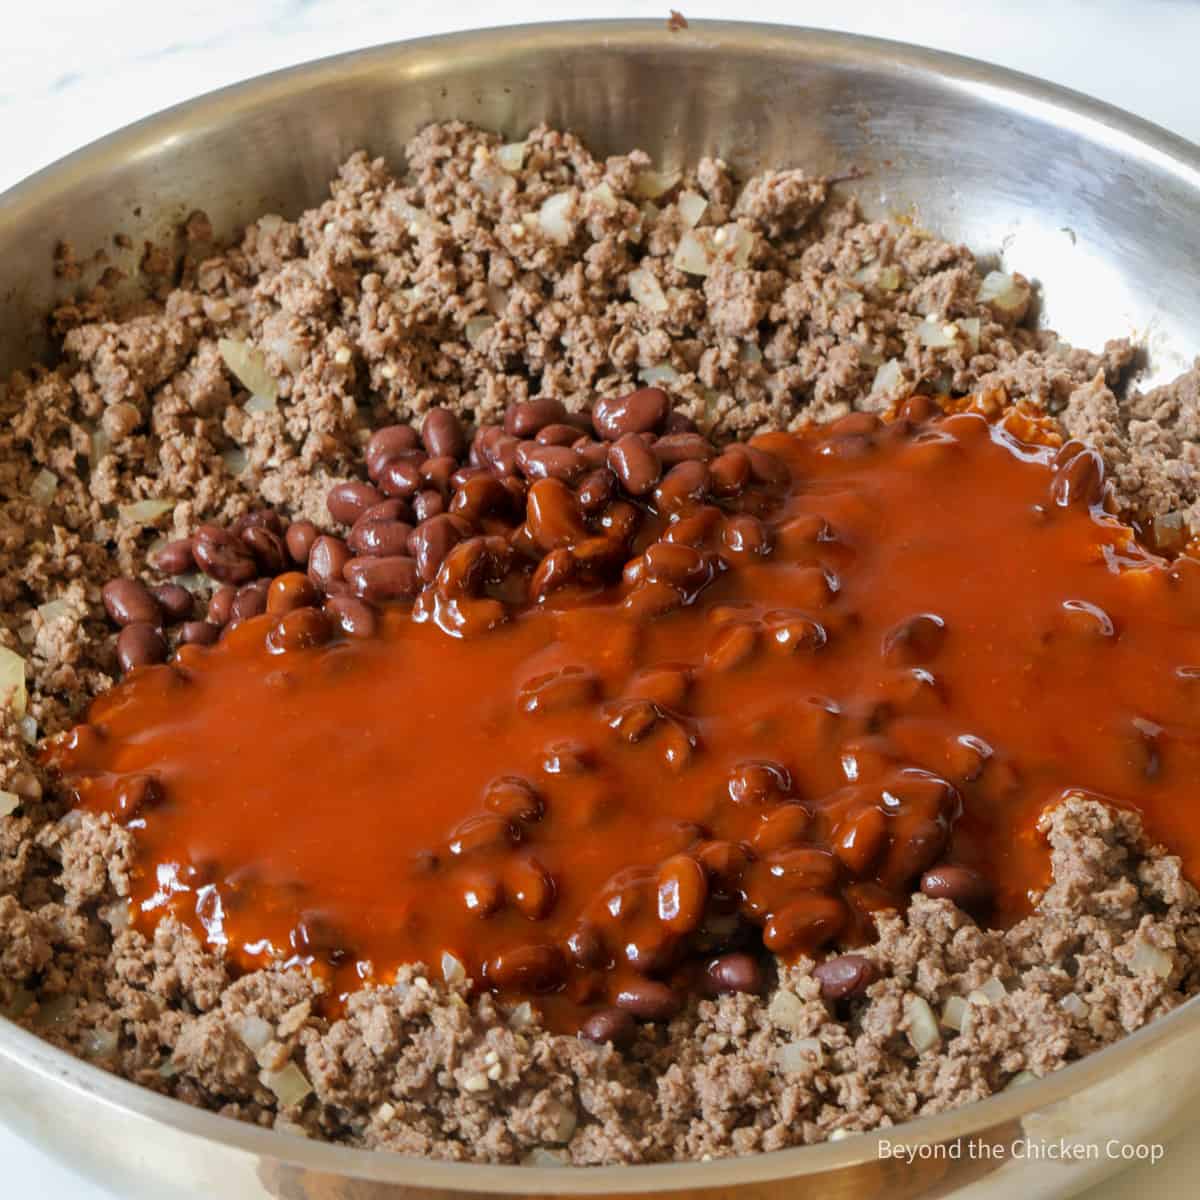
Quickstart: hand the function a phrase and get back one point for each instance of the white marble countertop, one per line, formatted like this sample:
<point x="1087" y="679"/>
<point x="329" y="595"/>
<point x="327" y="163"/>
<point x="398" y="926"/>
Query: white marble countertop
<point x="73" y="70"/>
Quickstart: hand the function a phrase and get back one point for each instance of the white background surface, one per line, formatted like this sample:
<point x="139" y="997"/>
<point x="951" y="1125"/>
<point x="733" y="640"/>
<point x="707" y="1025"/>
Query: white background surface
<point x="73" y="70"/>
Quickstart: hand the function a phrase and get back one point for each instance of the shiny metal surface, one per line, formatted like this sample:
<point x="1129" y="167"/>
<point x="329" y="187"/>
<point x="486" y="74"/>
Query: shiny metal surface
<point x="1103" y="209"/>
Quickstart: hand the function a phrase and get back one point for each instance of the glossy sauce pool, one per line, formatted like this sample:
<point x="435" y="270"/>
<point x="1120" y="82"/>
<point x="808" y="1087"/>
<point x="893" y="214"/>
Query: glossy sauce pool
<point x="944" y="635"/>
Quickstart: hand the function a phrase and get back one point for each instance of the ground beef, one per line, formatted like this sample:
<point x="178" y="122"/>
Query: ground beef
<point x="446" y="284"/>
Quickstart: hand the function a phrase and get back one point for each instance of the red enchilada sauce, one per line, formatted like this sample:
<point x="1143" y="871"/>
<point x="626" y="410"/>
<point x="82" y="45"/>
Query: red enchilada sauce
<point x="606" y="748"/>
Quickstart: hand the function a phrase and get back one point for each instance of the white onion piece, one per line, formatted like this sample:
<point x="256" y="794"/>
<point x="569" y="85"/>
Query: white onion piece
<point x="497" y="299"/>
<point x="700" y="250"/>
<point x="1076" y="1006"/>
<point x="889" y="376"/>
<point x="953" y="1012"/>
<point x="970" y="329"/>
<point x="539" y="1156"/>
<point x="100" y="1043"/>
<point x="280" y="341"/>
<point x="786" y="1010"/>
<point x="652" y="184"/>
<point x="889" y="279"/>
<point x="101" y="445"/>
<point x="142" y="512"/>
<point x="476" y="327"/>
<point x="937" y="335"/>
<point x="604" y="196"/>
<point x="691" y="208"/>
<point x="749" y="352"/>
<point x="922" y="1031"/>
<point x="662" y="373"/>
<point x="254" y="1032"/>
<point x="419" y="221"/>
<point x="1020" y="1079"/>
<point x="552" y="217"/>
<point x="260" y="404"/>
<point x="646" y="290"/>
<point x="236" y="460"/>
<point x="248" y="365"/>
<point x="511" y="156"/>
<point x="452" y="969"/>
<point x="55" y="1011"/>
<point x="53" y="610"/>
<point x="994" y="990"/>
<point x="29" y="730"/>
<point x="43" y="487"/>
<point x="289" y="1085"/>
<point x="9" y="802"/>
<point x="1148" y="959"/>
<point x="523" y="1016"/>
<point x="803" y="1054"/>
<point x="1004" y="294"/>
<point x="12" y="681"/>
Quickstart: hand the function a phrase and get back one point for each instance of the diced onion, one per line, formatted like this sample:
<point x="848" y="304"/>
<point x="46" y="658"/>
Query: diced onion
<point x="700" y="250"/>
<point x="889" y="279"/>
<point x="12" y="681"/>
<point x="1019" y="1080"/>
<point x="523" y="1016"/>
<point x="278" y="339"/>
<point x="994" y="990"/>
<point x="849" y="298"/>
<point x="1075" y="1005"/>
<point x="248" y="365"/>
<point x="53" y="610"/>
<point x="953" y="1012"/>
<point x="604" y="196"/>
<point x="55" y="1011"/>
<point x="786" y="1010"/>
<point x="552" y="217"/>
<point x="1148" y="959"/>
<point x="236" y="460"/>
<point x="970" y="329"/>
<point x="143" y="512"/>
<point x="889" y="376"/>
<point x="260" y="404"/>
<point x="452" y="969"/>
<point x="1169" y="532"/>
<point x="749" y="352"/>
<point x="9" y="801"/>
<point x="290" y="1085"/>
<point x="511" y="156"/>
<point x="1004" y="294"/>
<point x="691" y="208"/>
<point x="801" y="1055"/>
<point x="652" y="184"/>
<point x="101" y="445"/>
<point x="497" y="300"/>
<point x="418" y="219"/>
<point x="476" y="327"/>
<point x="539" y="1156"/>
<point x="922" y="1031"/>
<point x="254" y="1032"/>
<point x="662" y="373"/>
<point x="937" y="335"/>
<point x="43" y="487"/>
<point x="646" y="290"/>
<point x="29" y="730"/>
<point x="100" y="1043"/>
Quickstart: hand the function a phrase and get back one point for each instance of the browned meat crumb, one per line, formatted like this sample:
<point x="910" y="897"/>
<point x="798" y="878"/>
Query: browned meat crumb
<point x="445" y="286"/>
